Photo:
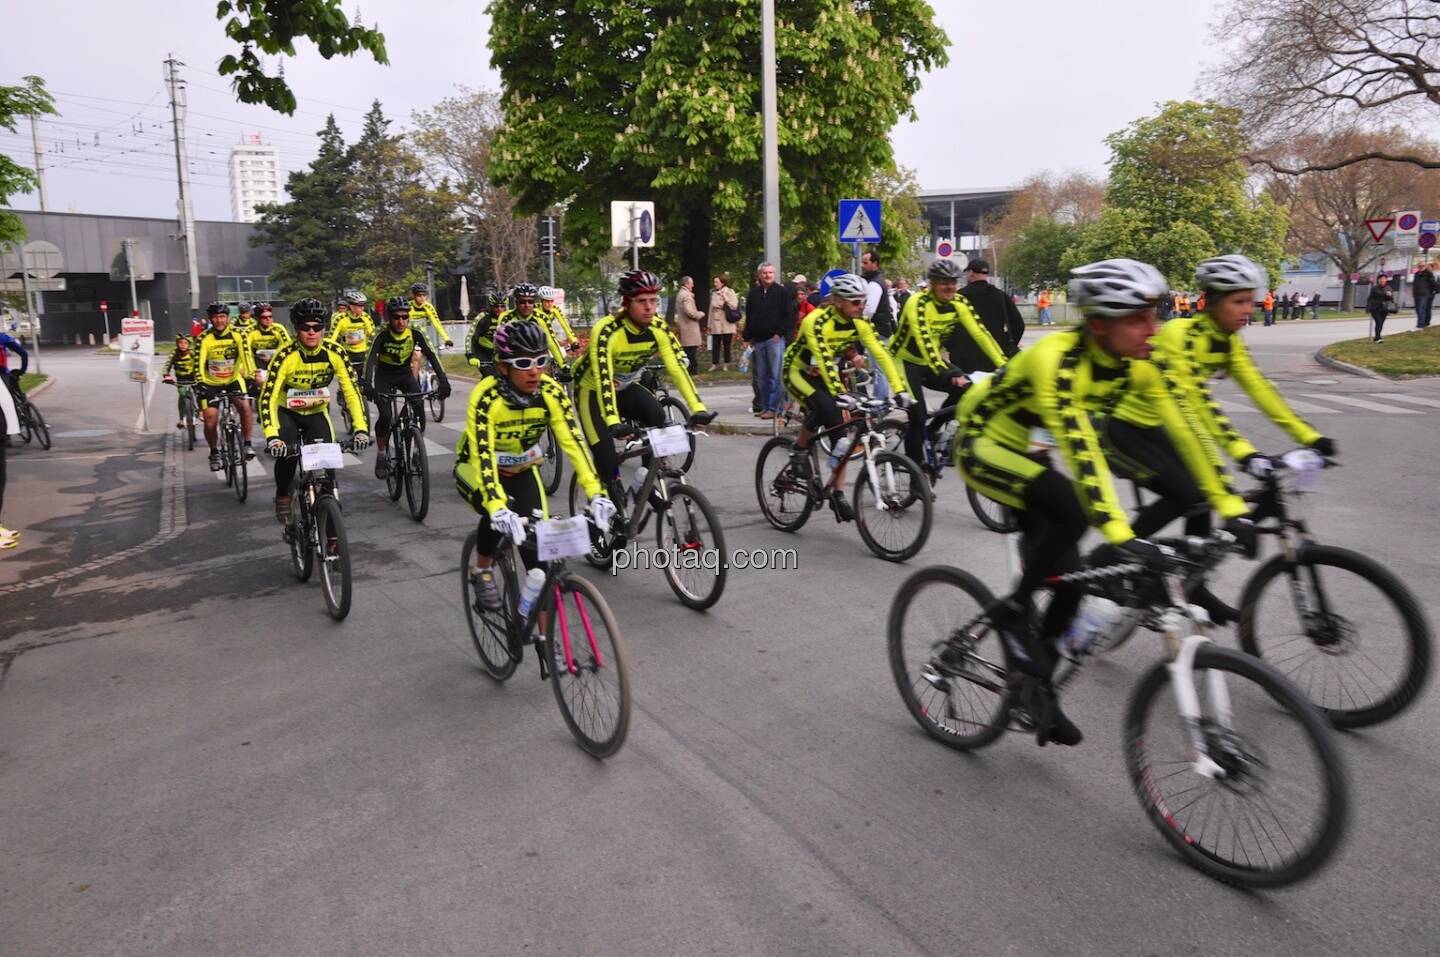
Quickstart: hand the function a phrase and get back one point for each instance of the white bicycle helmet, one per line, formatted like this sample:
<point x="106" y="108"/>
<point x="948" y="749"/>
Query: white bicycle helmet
<point x="1116" y="287"/>
<point x="547" y="292"/>
<point x="849" y="286"/>
<point x="1231" y="274"/>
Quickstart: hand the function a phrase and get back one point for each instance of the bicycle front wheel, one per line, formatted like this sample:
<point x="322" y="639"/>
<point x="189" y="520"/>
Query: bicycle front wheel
<point x="334" y="562"/>
<point x="946" y="659"/>
<point x="299" y="530"/>
<point x="189" y="426"/>
<point x="690" y="538"/>
<point x="785" y="498"/>
<point x="489" y="627"/>
<point x="993" y="515"/>
<point x="235" y="448"/>
<point x="1347" y="632"/>
<point x="1266" y="804"/>
<point x="437" y="407"/>
<point x="37" y="424"/>
<point x="894" y="518"/>
<point x="394" y="465"/>
<point x="417" y="475"/>
<point x="591" y="682"/>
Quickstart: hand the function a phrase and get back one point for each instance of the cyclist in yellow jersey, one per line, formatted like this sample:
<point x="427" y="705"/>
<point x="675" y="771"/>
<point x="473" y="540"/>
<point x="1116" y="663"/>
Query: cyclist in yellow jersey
<point x="352" y="329"/>
<point x="181" y="368"/>
<point x="391" y="366"/>
<point x="1190" y="352"/>
<point x="525" y="294"/>
<point x="265" y="339"/>
<point x="244" y="321"/>
<point x="505" y="417"/>
<point x="422" y="310"/>
<point x="926" y="321"/>
<point x="480" y="342"/>
<point x="810" y="372"/>
<point x="295" y="401"/>
<point x="1060" y="384"/>
<point x="225" y="366"/>
<point x="553" y="316"/>
<point x="609" y="372"/>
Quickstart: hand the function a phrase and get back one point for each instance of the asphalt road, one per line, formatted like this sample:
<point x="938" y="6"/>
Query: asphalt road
<point x="195" y="759"/>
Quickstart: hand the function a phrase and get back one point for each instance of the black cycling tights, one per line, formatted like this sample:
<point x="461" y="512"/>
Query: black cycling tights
<point x="1051" y="526"/>
<point x="1147" y="456"/>
<point x="297" y="429"/>
<point x="635" y="403"/>
<point x="525" y="494"/>
<point x="919" y="378"/>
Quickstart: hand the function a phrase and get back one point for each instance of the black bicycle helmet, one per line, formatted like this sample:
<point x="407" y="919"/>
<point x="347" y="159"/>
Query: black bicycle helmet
<point x="396" y="304"/>
<point x="519" y="339"/>
<point x="306" y="310"/>
<point x="526" y="289"/>
<point x="639" y="282"/>
<point x="416" y="287"/>
<point x="496" y="299"/>
<point x="215" y="308"/>
<point x="944" y="270"/>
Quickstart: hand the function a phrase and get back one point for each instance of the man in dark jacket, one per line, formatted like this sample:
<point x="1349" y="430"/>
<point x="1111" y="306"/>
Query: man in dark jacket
<point x="769" y="324"/>
<point x="1380" y="303"/>
<point x="997" y="314"/>
<point x="882" y="317"/>
<point x="1424" y="291"/>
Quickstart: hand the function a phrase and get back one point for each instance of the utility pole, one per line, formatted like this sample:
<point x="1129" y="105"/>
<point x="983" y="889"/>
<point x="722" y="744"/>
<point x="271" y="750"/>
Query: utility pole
<point x="182" y="169"/>
<point x="39" y="162"/>
<point x="130" y="269"/>
<point x="32" y="307"/>
<point x="772" y="148"/>
<point x="550" y="245"/>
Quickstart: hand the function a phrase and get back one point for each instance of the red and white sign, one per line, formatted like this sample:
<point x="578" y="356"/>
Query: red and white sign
<point x="1408" y="221"/>
<point x="104" y="306"/>
<point x="944" y="249"/>
<point x="1378" y="228"/>
<point x="137" y="346"/>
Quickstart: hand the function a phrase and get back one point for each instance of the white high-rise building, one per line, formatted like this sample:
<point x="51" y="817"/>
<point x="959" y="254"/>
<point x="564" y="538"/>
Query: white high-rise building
<point x="254" y="177"/>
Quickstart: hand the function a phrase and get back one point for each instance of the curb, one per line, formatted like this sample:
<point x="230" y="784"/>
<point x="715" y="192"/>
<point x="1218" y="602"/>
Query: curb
<point x="41" y="387"/>
<point x="1340" y="366"/>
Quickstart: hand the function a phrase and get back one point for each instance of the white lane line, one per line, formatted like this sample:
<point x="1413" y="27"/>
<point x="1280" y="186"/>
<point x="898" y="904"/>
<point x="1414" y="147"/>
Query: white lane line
<point x="434" y="449"/>
<point x="1232" y="407"/>
<point x="252" y="470"/>
<point x="1411" y="399"/>
<point x="1364" y="404"/>
<point x="1311" y="408"/>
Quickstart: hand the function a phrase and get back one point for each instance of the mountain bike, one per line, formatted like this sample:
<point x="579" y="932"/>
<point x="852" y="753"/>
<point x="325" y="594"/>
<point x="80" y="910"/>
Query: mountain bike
<point x="690" y="543"/>
<point x="585" y="662"/>
<point x="232" y="442"/>
<point x="891" y="496"/>
<point x="409" y="464"/>
<point x="316" y="529"/>
<point x="430" y="385"/>
<point x="31" y="422"/>
<point x="1226" y="756"/>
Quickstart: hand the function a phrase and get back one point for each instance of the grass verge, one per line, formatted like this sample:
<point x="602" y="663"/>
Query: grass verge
<point x="1416" y="352"/>
<point x="30" y="380"/>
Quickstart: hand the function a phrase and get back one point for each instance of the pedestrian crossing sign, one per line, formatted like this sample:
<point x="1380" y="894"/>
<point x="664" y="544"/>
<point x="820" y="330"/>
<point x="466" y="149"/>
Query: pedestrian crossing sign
<point x="859" y="220"/>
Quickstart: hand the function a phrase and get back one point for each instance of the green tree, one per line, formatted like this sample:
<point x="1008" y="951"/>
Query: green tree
<point x="314" y="237"/>
<point x="661" y="100"/>
<point x="272" y="26"/>
<point x="1034" y="258"/>
<point x="31" y="98"/>
<point x="1178" y="169"/>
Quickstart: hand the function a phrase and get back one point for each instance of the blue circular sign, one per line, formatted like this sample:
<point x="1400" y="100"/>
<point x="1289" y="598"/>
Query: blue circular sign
<point x="829" y="278"/>
<point x="1408" y="222"/>
<point x="647" y="226"/>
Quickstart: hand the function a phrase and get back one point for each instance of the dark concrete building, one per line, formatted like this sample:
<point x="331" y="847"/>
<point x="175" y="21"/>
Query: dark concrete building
<point x="94" y="270"/>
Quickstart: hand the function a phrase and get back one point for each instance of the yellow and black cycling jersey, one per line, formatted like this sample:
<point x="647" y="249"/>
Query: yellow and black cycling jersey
<point x="821" y="342"/>
<point x="184" y="365"/>
<point x="503" y="432"/>
<point x="926" y="323"/>
<point x="423" y="312"/>
<point x="302" y="382"/>
<point x="351" y="333"/>
<point x="553" y="317"/>
<point x="619" y="350"/>
<point x="551" y="343"/>
<point x="243" y="325"/>
<point x="1059" y="384"/>
<point x="396" y="351"/>
<point x="265" y="341"/>
<point x="225" y="358"/>
<point x="1189" y="353"/>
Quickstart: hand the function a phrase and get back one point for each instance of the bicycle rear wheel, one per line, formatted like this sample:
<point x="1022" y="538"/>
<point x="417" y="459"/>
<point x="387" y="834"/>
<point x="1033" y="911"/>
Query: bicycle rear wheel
<point x="592" y="686"/>
<point x="551" y="469"/>
<point x="676" y="413"/>
<point x="897" y="532"/>
<point x="417" y="475"/>
<point x="963" y="700"/>
<point x="489" y="628"/>
<point x="37" y="424"/>
<point x="785" y="498"/>
<point x="690" y="537"/>
<point x="993" y="515"/>
<point x="334" y="557"/>
<point x="1360" y="651"/>
<point x="1257" y="816"/>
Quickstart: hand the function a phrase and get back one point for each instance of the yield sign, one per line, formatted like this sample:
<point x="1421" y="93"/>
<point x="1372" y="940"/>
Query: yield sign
<point x="1378" y="228"/>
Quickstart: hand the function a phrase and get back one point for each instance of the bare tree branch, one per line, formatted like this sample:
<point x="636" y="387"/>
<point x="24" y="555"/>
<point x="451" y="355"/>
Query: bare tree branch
<point x="1410" y="159"/>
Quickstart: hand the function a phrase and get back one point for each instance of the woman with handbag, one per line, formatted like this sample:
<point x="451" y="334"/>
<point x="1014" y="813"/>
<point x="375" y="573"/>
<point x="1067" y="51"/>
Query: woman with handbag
<point x="1380" y="303"/>
<point x="722" y="317"/>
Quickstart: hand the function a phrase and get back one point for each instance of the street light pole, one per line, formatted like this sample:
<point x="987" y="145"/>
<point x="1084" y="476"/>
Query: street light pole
<point x="130" y="270"/>
<point x="772" y="135"/>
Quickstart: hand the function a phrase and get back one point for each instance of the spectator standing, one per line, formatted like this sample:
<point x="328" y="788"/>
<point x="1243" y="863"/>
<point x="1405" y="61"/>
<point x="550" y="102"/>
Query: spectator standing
<point x="1424" y="290"/>
<point x="1042" y="308"/>
<point x="1267" y="307"/>
<point x="1299" y="303"/>
<point x="997" y="314"/>
<point x="803" y="306"/>
<point x="769" y="322"/>
<point x="1380" y="303"/>
<point x="879" y="309"/>
<point x="687" y="322"/>
<point x="1287" y="306"/>
<point x="722" y="318"/>
<point x="902" y="295"/>
<point x="1315" y="306"/>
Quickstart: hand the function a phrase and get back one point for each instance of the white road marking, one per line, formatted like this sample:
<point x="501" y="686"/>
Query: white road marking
<point x="1365" y="404"/>
<point x="1411" y="399"/>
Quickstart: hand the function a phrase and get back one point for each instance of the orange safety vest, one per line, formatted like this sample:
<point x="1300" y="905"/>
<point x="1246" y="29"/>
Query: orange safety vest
<point x="1043" y="300"/>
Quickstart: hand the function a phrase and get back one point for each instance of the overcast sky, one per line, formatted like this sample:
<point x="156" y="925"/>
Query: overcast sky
<point x="1031" y="85"/>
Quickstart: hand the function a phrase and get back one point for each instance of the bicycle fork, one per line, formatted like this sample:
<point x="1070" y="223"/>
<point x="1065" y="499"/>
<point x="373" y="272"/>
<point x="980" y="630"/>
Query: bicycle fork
<point x="566" y="647"/>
